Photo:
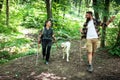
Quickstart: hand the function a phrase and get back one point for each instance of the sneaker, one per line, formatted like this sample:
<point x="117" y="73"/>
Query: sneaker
<point x="46" y="62"/>
<point x="90" y="68"/>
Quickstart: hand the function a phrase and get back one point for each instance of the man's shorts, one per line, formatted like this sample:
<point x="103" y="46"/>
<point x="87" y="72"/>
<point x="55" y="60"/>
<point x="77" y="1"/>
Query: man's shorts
<point x="83" y="41"/>
<point x="92" y="44"/>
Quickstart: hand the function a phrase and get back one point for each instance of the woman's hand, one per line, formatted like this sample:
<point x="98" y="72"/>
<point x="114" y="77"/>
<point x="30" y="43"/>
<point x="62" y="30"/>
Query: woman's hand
<point x="54" y="39"/>
<point x="39" y="41"/>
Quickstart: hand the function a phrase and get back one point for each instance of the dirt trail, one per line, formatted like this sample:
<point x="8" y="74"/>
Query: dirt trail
<point x="105" y="66"/>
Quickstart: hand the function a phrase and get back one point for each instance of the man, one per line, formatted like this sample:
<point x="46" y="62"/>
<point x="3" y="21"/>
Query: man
<point x="91" y="32"/>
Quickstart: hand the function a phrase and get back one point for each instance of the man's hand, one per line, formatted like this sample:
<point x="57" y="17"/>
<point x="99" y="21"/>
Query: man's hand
<point x="81" y="30"/>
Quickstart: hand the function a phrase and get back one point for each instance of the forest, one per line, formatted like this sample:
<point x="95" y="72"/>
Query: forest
<point x="21" y="21"/>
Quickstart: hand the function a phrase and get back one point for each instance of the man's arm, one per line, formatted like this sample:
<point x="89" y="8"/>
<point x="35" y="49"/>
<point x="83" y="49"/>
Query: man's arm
<point x="108" y="22"/>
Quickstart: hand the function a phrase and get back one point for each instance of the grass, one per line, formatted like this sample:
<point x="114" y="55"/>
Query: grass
<point x="13" y="44"/>
<point x="7" y="57"/>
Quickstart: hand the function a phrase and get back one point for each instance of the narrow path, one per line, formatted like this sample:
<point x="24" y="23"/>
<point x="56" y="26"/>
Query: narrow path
<point x="106" y="67"/>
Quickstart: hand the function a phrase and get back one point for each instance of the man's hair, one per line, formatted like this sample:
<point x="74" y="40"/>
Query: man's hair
<point x="90" y="12"/>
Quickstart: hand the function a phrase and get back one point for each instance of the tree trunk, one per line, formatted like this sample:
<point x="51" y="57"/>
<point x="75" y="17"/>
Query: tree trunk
<point x="49" y="9"/>
<point x="105" y="13"/>
<point x="7" y="12"/>
<point x="95" y="7"/>
<point x="76" y="3"/>
<point x="1" y="4"/>
<point x="64" y="13"/>
<point x="87" y="3"/>
<point x="80" y="1"/>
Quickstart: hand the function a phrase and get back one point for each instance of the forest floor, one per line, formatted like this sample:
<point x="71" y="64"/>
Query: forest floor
<point x="106" y="67"/>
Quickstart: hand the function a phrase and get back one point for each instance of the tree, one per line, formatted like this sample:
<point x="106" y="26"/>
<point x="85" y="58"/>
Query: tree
<point x="49" y="9"/>
<point x="105" y="18"/>
<point x="1" y="4"/>
<point x="87" y="2"/>
<point x="80" y="1"/>
<point x="96" y="10"/>
<point x="7" y="12"/>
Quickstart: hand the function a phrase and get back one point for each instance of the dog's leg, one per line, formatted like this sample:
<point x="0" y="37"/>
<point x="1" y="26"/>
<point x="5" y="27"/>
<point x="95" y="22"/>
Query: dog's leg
<point x="63" y="55"/>
<point x="67" y="56"/>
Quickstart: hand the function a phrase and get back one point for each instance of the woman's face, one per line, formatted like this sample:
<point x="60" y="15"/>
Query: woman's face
<point x="48" y="23"/>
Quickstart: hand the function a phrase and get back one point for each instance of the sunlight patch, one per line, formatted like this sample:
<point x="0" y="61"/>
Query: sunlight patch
<point x="48" y="76"/>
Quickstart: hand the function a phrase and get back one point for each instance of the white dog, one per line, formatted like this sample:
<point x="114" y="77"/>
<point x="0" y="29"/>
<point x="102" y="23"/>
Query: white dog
<point x="66" y="48"/>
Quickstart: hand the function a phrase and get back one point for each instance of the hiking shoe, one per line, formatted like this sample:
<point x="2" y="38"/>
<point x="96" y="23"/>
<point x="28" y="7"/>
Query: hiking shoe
<point x="90" y="68"/>
<point x="46" y="62"/>
<point x="43" y="57"/>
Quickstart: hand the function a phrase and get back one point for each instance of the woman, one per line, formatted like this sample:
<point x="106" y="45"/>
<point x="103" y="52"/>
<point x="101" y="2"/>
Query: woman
<point x="45" y="38"/>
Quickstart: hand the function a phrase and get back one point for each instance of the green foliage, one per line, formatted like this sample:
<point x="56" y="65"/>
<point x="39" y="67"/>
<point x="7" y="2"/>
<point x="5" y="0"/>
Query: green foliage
<point x="7" y="30"/>
<point x="67" y="29"/>
<point x="111" y="40"/>
<point x="112" y="37"/>
<point x="30" y="52"/>
<point x="33" y="15"/>
<point x="13" y="42"/>
<point x="115" y="51"/>
<point x="4" y="55"/>
<point x="2" y="61"/>
<point x="11" y="47"/>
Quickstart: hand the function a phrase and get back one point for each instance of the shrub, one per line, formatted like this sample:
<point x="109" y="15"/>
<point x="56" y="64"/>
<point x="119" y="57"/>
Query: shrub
<point x="4" y="55"/>
<point x="115" y="51"/>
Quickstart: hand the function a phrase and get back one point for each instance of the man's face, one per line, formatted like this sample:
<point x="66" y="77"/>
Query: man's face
<point x="88" y="16"/>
